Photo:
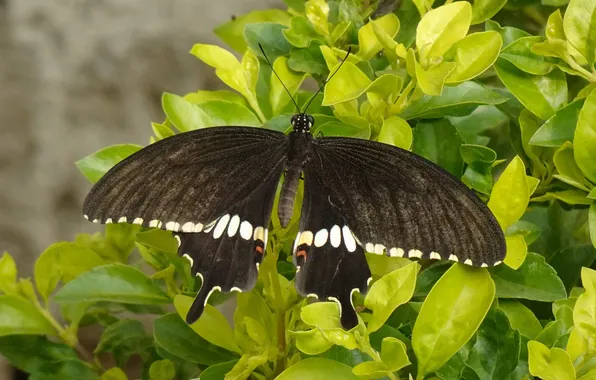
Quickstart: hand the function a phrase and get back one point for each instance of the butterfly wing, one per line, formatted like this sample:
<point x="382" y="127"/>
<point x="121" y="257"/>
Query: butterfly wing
<point x="213" y="187"/>
<point x="330" y="265"/>
<point x="400" y="204"/>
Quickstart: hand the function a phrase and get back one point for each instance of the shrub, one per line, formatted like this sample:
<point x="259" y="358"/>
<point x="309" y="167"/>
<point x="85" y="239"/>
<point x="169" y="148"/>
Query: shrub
<point x="451" y="84"/>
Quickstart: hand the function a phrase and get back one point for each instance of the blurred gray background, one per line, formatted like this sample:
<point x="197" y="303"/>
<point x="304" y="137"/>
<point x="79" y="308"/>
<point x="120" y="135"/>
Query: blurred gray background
<point x="78" y="75"/>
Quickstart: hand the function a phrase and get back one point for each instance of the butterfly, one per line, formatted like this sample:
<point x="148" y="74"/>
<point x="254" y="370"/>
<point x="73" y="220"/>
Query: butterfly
<point x="214" y="188"/>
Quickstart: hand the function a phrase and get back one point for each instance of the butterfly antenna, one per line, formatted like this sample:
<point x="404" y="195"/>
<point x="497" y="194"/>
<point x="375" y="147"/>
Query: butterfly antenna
<point x="280" y="81"/>
<point x="328" y="79"/>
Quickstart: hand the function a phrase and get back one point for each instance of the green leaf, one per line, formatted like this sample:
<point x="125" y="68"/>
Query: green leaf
<point x="19" y="316"/>
<point x="592" y="222"/>
<point x="560" y="127"/>
<point x="212" y="326"/>
<point x="568" y="170"/>
<point x="381" y="265"/>
<point x="114" y="283"/>
<point x="317" y="12"/>
<point x="580" y="29"/>
<point x="510" y="195"/>
<point x="387" y="293"/>
<point x="96" y="165"/>
<point x="393" y="354"/>
<point x="477" y="153"/>
<point x="232" y="32"/>
<point x="317" y="368"/>
<point x="584" y="139"/>
<point x="534" y="280"/>
<point x="218" y="371"/>
<point x="473" y="54"/>
<point x="368" y="42"/>
<point x="203" y="96"/>
<point x="542" y="95"/>
<point x="221" y="113"/>
<point x="325" y="317"/>
<point x="440" y="28"/>
<point x="438" y="141"/>
<point x="431" y="81"/>
<point x="309" y="60"/>
<point x="584" y="313"/>
<point x="292" y="80"/>
<point x="301" y="33"/>
<point x="456" y="101"/>
<point x="521" y="55"/>
<point x="496" y="350"/>
<point x="123" y="339"/>
<point x="312" y="342"/>
<point x="8" y="274"/>
<point x="162" y="370"/>
<point x="397" y="132"/>
<point x="338" y="128"/>
<point x="508" y="33"/>
<point x="114" y="373"/>
<point x="185" y="115"/>
<point x="173" y="335"/>
<point x="270" y="36"/>
<point x="252" y="305"/>
<point x="483" y="10"/>
<point x="348" y="83"/>
<point x="48" y="355"/>
<point x="522" y="319"/>
<point x="462" y="297"/>
<point x="63" y="261"/>
<point x="158" y="239"/>
<point x="549" y="364"/>
<point x="517" y="249"/>
<point x="370" y="370"/>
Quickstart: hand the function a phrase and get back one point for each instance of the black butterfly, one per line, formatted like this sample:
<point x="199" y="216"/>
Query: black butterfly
<point x="214" y="188"/>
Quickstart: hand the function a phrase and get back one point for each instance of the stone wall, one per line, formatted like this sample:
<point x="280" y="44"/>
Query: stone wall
<point x="75" y="76"/>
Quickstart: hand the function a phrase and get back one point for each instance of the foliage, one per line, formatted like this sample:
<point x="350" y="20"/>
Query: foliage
<point x="449" y="82"/>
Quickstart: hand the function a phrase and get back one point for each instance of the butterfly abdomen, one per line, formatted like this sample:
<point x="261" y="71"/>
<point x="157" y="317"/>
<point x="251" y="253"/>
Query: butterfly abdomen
<point x="300" y="147"/>
<point x="287" y="195"/>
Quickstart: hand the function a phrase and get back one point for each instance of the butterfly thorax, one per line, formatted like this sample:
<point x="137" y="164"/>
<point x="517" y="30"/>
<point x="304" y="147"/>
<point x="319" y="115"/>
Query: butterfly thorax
<point x="302" y="122"/>
<point x="300" y="147"/>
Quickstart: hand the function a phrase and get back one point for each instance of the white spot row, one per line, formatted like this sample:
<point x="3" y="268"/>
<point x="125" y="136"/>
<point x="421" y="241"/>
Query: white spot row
<point x="380" y="249"/>
<point x="333" y="235"/>
<point x="218" y="226"/>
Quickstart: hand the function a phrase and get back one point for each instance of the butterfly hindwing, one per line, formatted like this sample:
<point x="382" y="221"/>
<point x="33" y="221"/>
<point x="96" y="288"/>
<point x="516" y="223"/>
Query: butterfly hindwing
<point x="400" y="204"/>
<point x="227" y="253"/>
<point x="330" y="263"/>
<point x="186" y="181"/>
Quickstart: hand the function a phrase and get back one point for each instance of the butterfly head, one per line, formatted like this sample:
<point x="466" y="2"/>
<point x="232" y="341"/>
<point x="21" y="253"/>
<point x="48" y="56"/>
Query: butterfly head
<point x="302" y="122"/>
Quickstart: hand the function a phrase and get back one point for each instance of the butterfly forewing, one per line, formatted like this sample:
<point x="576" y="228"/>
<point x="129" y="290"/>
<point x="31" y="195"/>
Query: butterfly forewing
<point x="186" y="181"/>
<point x="400" y="204"/>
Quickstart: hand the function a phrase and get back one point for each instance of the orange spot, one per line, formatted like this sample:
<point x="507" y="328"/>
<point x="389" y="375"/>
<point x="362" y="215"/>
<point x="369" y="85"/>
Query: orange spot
<point x="259" y="249"/>
<point x="302" y="253"/>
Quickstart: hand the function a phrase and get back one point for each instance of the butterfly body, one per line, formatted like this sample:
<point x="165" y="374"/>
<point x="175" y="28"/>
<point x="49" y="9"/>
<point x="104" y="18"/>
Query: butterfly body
<point x="214" y="188"/>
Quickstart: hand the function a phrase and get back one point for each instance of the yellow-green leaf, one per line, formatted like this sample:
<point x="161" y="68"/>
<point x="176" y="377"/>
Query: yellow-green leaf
<point x="348" y="83"/>
<point x="397" y="132"/>
<point x="549" y="364"/>
<point x="450" y="315"/>
<point x="390" y="291"/>
<point x="584" y="139"/>
<point x="368" y="42"/>
<point x="584" y="313"/>
<point x="473" y="55"/>
<point x="517" y="249"/>
<point x="510" y="194"/>
<point x="440" y="28"/>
